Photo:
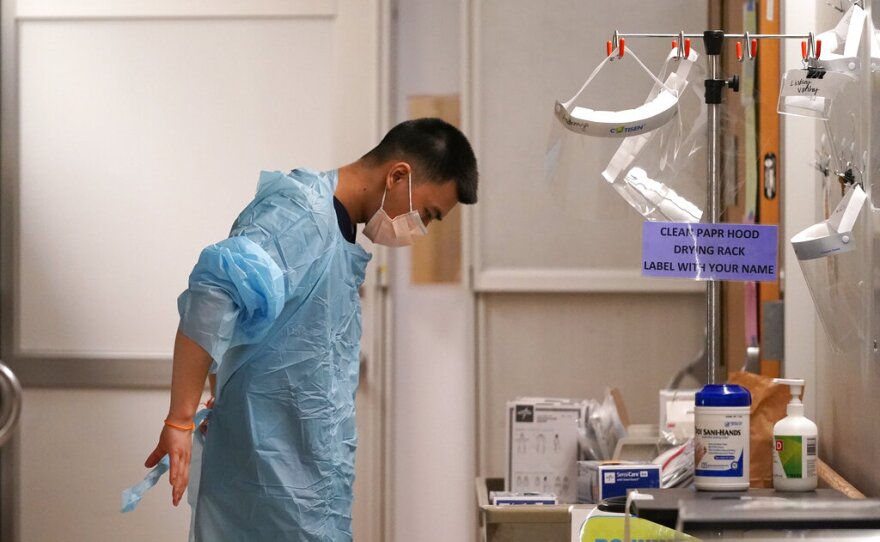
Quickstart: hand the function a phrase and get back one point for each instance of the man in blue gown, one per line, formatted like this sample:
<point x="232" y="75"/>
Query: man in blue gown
<point x="274" y="311"/>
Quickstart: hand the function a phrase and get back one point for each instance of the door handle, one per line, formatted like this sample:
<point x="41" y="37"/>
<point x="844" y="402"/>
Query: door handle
<point x="770" y="175"/>
<point x="10" y="403"/>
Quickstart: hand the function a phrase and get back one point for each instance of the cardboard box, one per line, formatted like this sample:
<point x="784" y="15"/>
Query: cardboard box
<point x="515" y="523"/>
<point x="500" y="498"/>
<point x="599" y="480"/>
<point x="542" y="446"/>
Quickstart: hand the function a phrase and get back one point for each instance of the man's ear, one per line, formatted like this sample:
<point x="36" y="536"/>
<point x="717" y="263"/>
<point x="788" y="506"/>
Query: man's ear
<point x="400" y="171"/>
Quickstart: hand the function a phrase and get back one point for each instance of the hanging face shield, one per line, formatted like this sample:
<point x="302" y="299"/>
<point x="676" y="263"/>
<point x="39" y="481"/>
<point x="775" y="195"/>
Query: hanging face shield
<point x="810" y="92"/>
<point x="830" y="258"/>
<point x="840" y="45"/>
<point x="659" y="109"/>
<point x="833" y="62"/>
<point x="647" y="167"/>
<point x="826" y="89"/>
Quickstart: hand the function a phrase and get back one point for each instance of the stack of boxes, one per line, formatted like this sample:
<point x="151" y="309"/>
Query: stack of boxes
<point x="542" y="455"/>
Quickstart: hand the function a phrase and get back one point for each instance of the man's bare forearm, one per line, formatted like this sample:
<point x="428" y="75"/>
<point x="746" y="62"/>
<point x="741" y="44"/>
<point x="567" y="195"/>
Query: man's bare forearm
<point x="191" y="364"/>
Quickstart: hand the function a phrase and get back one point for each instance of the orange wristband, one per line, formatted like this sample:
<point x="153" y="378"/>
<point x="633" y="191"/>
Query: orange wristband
<point x="191" y="428"/>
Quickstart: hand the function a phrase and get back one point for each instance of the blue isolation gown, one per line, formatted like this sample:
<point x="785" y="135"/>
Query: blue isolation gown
<point x="277" y="307"/>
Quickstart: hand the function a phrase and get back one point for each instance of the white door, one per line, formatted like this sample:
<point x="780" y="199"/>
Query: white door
<point x="133" y="132"/>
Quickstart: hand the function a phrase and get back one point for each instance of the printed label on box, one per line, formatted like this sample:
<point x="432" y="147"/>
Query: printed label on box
<point x="543" y="450"/>
<point x="598" y="480"/>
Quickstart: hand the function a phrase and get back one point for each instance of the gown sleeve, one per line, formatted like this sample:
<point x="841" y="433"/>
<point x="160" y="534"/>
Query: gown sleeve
<point x="235" y="293"/>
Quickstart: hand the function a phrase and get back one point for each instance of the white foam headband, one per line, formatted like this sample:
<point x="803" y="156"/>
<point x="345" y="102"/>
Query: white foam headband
<point x="644" y="118"/>
<point x="660" y="108"/>
<point x="833" y="236"/>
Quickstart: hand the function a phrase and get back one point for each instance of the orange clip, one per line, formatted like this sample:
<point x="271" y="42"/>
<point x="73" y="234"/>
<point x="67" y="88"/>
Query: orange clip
<point x="739" y="50"/>
<point x="754" y="48"/>
<point x="804" y="50"/>
<point x="608" y="47"/>
<point x="620" y="47"/>
<point x="687" y="47"/>
<point x="674" y="44"/>
<point x="818" y="48"/>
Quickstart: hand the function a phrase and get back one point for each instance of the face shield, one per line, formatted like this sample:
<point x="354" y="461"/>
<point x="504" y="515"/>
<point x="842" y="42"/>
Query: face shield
<point x="828" y="91"/>
<point x="811" y="91"/>
<point x="659" y="109"/>
<point x="840" y="45"/>
<point x="830" y="259"/>
<point x="651" y="147"/>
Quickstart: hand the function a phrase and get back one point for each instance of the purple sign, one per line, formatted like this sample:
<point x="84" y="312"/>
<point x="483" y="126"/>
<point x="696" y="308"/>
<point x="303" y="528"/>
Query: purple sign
<point x="709" y="251"/>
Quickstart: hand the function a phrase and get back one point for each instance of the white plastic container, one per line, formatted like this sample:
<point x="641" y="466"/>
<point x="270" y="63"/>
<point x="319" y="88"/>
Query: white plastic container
<point x="721" y="440"/>
<point x="795" y="445"/>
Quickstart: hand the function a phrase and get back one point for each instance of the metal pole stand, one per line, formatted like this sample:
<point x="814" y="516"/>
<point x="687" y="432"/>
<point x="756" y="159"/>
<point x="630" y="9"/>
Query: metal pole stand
<point x="714" y="41"/>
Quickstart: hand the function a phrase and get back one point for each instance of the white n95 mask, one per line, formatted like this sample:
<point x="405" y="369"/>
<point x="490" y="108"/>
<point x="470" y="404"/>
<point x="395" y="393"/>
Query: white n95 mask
<point x="399" y="231"/>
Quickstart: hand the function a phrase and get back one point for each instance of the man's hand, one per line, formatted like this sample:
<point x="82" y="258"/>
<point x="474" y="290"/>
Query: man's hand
<point x="178" y="445"/>
<point x="189" y="370"/>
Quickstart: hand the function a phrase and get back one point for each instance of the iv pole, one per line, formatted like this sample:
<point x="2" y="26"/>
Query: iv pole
<point x="713" y="41"/>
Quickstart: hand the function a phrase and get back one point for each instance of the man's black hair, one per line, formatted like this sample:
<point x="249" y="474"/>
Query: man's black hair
<point x="439" y="150"/>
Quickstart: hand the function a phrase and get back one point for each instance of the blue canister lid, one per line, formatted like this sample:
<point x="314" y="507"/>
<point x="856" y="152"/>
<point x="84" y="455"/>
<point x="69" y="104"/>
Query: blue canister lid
<point x="723" y="395"/>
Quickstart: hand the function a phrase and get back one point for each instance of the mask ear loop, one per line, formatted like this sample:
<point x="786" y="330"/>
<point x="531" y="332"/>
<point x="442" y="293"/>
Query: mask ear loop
<point x="410" y="192"/>
<point x="382" y="205"/>
<point x="607" y="59"/>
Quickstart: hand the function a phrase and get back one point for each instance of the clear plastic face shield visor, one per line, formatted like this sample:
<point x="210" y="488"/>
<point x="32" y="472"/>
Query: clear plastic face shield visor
<point x="832" y="63"/>
<point x="810" y="92"/>
<point x="830" y="259"/>
<point x="839" y="50"/>
<point x="648" y="146"/>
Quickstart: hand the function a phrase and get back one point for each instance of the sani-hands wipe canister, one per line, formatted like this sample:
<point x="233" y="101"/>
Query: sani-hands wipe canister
<point x="721" y="438"/>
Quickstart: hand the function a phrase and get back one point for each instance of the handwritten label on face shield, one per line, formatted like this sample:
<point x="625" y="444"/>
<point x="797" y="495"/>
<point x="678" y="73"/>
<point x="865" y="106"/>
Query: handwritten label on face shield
<point x="709" y="251"/>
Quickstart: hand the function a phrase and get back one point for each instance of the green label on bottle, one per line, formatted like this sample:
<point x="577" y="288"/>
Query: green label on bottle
<point x="789" y="450"/>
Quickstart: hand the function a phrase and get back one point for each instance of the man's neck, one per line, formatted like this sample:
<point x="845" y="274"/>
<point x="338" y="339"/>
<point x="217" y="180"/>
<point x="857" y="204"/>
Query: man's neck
<point x="356" y="191"/>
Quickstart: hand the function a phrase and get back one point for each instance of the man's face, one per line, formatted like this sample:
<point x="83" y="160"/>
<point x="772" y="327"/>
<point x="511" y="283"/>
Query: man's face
<point x="433" y="201"/>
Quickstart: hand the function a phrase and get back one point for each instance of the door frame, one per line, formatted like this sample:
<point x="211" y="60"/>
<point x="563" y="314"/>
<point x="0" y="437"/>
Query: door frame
<point x="369" y="22"/>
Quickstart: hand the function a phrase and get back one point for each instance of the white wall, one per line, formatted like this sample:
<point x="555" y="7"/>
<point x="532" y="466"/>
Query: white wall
<point x="433" y="400"/>
<point x="802" y="187"/>
<point x="79" y="450"/>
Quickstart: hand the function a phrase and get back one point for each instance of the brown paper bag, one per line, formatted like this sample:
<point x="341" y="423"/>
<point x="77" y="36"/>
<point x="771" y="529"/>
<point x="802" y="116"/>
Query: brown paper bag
<point x="768" y="407"/>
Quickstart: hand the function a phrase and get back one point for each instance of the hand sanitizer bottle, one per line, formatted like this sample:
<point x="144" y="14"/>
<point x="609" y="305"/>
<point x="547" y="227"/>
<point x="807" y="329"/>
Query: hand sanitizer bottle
<point x="795" y="445"/>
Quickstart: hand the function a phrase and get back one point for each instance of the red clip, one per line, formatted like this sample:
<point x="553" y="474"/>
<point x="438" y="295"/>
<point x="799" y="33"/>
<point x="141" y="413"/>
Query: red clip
<point x="754" y="48"/>
<point x="608" y="47"/>
<point x="804" y="50"/>
<point x="674" y="44"/>
<point x="687" y="47"/>
<point x="620" y="47"/>
<point x="739" y="50"/>
<point x="818" y="48"/>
